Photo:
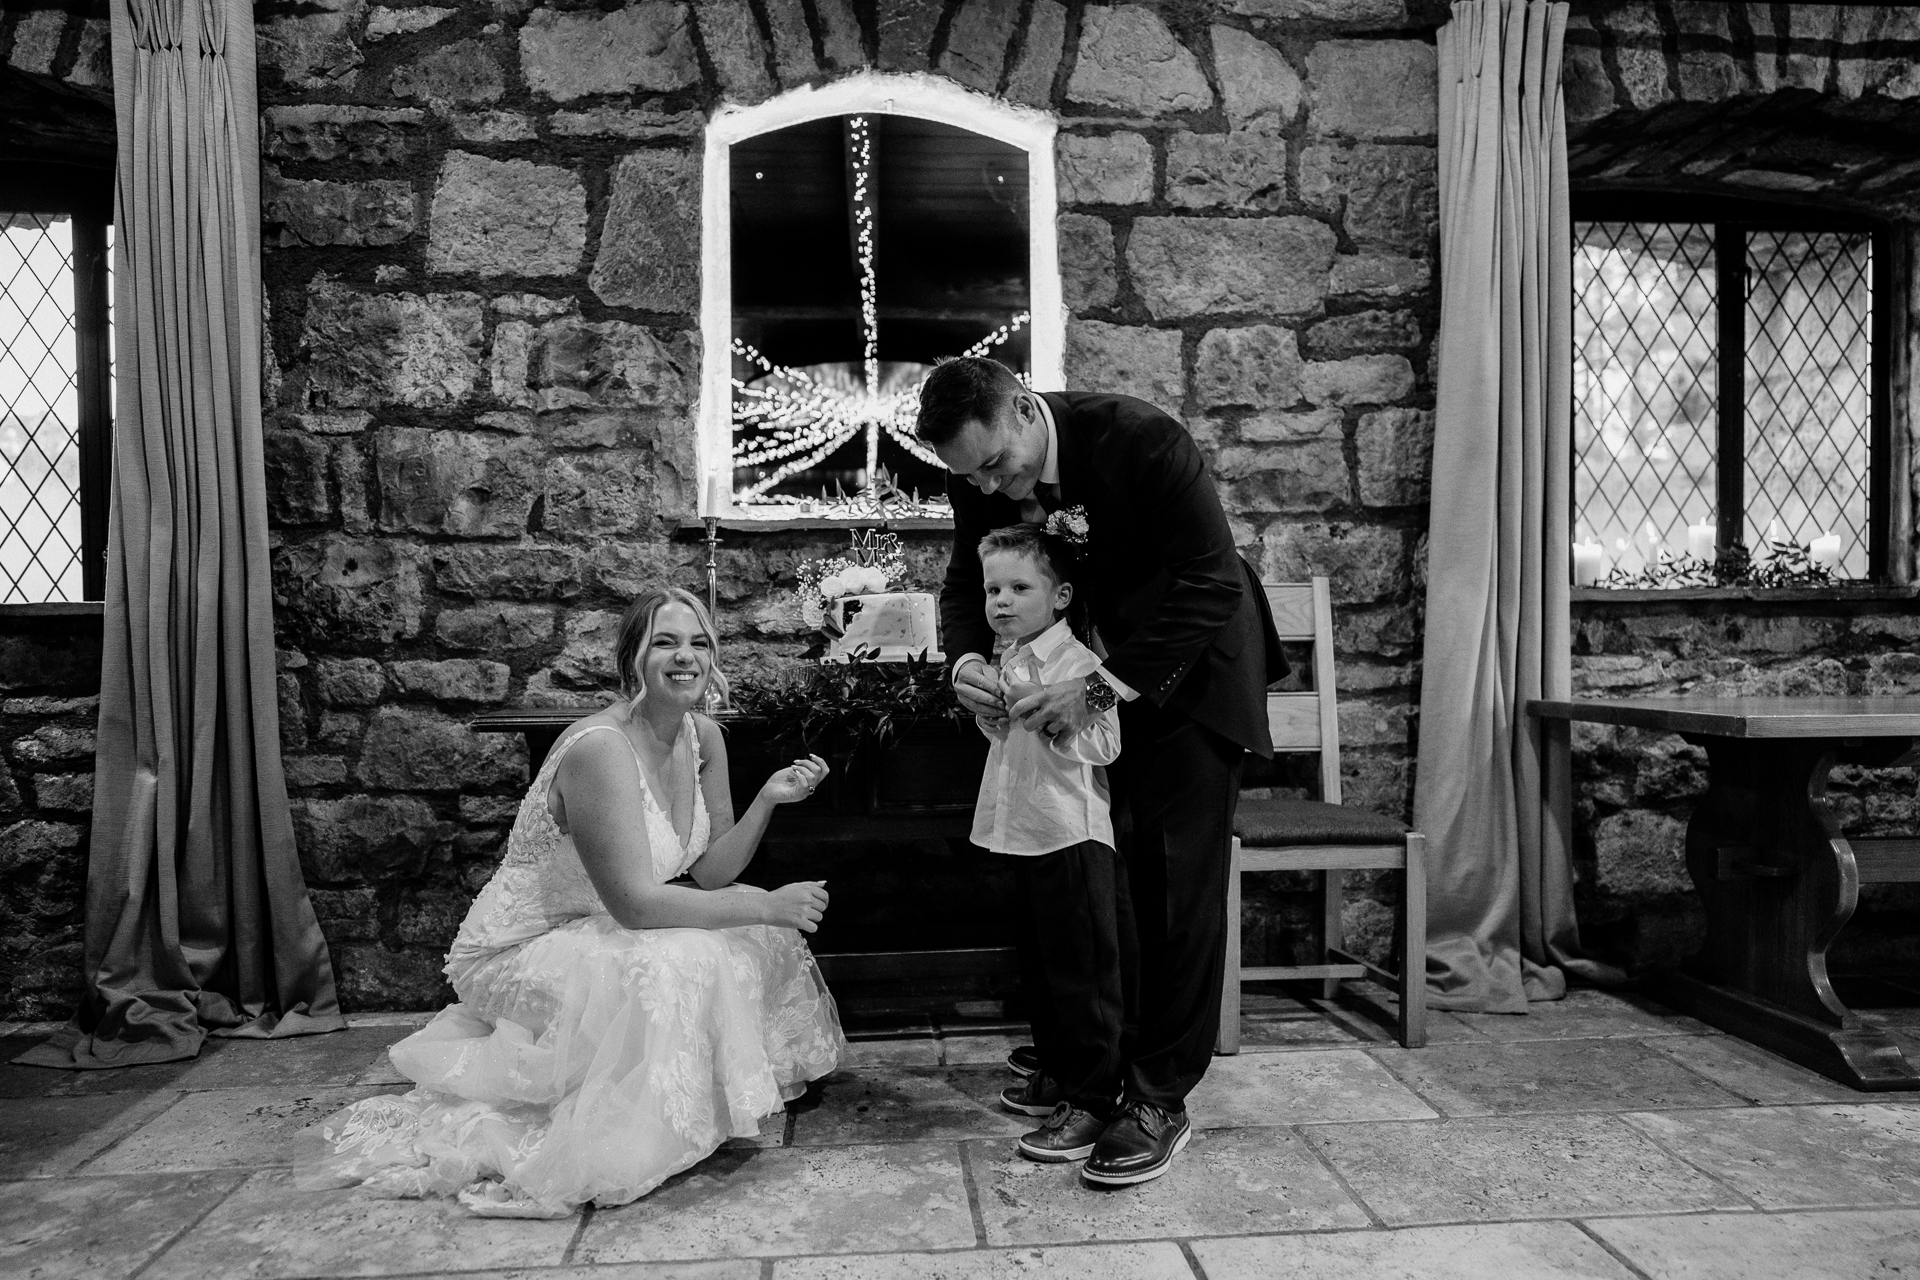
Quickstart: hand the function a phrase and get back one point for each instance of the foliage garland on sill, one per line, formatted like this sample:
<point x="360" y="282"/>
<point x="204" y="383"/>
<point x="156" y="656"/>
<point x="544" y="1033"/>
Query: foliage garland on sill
<point x="1788" y="565"/>
<point x="835" y="707"/>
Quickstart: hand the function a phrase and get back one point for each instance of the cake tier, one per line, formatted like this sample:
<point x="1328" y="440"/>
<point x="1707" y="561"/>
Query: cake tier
<point x="892" y="626"/>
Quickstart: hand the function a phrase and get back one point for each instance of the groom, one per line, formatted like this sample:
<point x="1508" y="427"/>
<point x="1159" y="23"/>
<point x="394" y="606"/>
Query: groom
<point x="1188" y="647"/>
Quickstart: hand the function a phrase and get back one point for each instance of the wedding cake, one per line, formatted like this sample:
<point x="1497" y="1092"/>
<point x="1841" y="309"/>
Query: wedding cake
<point x="892" y="626"/>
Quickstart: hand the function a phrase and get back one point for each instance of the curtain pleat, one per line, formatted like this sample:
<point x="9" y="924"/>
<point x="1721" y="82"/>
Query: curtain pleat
<point x="1501" y="918"/>
<point x="198" y="920"/>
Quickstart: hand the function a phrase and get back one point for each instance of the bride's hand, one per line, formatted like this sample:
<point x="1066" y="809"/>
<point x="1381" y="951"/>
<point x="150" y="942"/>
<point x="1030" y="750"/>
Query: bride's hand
<point x="796" y="781"/>
<point x="798" y="905"/>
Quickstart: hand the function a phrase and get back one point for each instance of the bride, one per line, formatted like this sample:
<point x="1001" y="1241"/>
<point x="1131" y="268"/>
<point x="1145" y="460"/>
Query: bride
<point x="616" y="1023"/>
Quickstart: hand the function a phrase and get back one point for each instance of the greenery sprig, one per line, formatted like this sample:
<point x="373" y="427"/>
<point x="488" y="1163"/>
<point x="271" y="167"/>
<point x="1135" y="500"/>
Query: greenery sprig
<point x="833" y="707"/>
<point x="1788" y="564"/>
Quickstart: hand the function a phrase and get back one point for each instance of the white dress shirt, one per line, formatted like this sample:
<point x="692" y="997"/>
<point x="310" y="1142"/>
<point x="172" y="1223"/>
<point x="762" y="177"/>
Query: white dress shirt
<point x="1039" y="794"/>
<point x="1050" y="475"/>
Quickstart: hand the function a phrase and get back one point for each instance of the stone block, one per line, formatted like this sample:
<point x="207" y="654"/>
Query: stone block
<point x="1373" y="724"/>
<point x="312" y="46"/>
<point x="464" y="73"/>
<point x="1363" y="275"/>
<point x="510" y="573"/>
<point x="1126" y="360"/>
<point x="1112" y="168"/>
<point x="506" y="218"/>
<point x="54" y="744"/>
<point x="1374" y="88"/>
<point x="466" y="484"/>
<point x="841" y="40"/>
<point x="384" y="22"/>
<point x="1258" y="87"/>
<point x="93" y="58"/>
<point x="348" y="682"/>
<point x="1585" y="85"/>
<point x="36" y="41"/>
<point x="1257" y="367"/>
<point x="645" y="48"/>
<point x="1272" y="427"/>
<point x="1040" y="54"/>
<point x="1239" y="171"/>
<point x="495" y="627"/>
<point x="1191" y="266"/>
<point x="1346" y="13"/>
<point x="1395" y="448"/>
<point x="300" y="212"/>
<point x="977" y="40"/>
<point x="597" y="495"/>
<point x="1670" y="768"/>
<point x="64" y="792"/>
<point x="1388" y="197"/>
<point x="370" y="837"/>
<point x="573" y="363"/>
<point x="1896" y="674"/>
<point x="369" y="349"/>
<point x="89" y="705"/>
<point x="1130" y="61"/>
<point x="1641" y="853"/>
<point x="1358" y="380"/>
<point x="491" y="126"/>
<point x="732" y="38"/>
<point x="905" y="29"/>
<point x="453" y="679"/>
<point x="1361" y="332"/>
<point x="33" y="844"/>
<point x="1363" y="563"/>
<point x="1306" y="476"/>
<point x="10" y="801"/>
<point x="410" y="750"/>
<point x="1643" y="75"/>
<point x="349" y="591"/>
<point x="1713" y="77"/>
<point x="430" y="917"/>
<point x="314" y="771"/>
<point x="587" y="658"/>
<point x="650" y="248"/>
<point x="620" y="122"/>
<point x="28" y="662"/>
<point x="364" y="135"/>
<point x="296" y="474"/>
<point x="293" y="716"/>
<point x="1088" y="276"/>
<point x="792" y="41"/>
<point x="629" y="568"/>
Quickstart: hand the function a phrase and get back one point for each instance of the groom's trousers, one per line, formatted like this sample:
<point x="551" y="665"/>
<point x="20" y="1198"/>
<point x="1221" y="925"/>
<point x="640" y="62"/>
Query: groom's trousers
<point x="1180" y="783"/>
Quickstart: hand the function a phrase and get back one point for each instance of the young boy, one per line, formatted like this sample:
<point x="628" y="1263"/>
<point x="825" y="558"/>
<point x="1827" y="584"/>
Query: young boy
<point x="1044" y="801"/>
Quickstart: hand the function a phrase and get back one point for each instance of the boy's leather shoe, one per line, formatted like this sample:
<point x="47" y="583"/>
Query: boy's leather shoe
<point x="1037" y="1095"/>
<point x="1139" y="1145"/>
<point x="1024" y="1060"/>
<point x="1068" y="1134"/>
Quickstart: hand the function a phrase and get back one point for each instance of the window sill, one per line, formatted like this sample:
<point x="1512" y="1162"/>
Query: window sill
<point x="1842" y="593"/>
<point x="55" y="609"/>
<point x="802" y="524"/>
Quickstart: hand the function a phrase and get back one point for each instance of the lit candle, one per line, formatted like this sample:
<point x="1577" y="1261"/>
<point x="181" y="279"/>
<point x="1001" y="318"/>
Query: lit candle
<point x="1589" y="560"/>
<point x="1775" y="534"/>
<point x="1700" y="540"/>
<point x="1826" y="551"/>
<point x="719" y="496"/>
<point x="1656" y="547"/>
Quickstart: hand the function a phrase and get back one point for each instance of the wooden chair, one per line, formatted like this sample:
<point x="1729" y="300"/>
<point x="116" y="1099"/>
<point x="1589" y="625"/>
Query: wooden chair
<point x="1324" y="837"/>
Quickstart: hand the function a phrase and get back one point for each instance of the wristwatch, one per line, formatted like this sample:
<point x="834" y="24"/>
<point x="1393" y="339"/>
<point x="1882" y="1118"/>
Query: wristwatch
<point x="1100" y="695"/>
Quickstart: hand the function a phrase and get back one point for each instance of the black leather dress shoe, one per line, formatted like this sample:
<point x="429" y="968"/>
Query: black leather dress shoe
<point x="1037" y="1095"/>
<point x="1138" y="1146"/>
<point x="1024" y="1060"/>
<point x="1068" y="1134"/>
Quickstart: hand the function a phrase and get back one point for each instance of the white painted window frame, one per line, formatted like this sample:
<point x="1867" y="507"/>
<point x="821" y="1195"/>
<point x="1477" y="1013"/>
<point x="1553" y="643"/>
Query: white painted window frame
<point x="925" y="97"/>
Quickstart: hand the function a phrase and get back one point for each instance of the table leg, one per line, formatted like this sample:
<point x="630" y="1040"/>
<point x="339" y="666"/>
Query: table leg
<point x="1777" y="882"/>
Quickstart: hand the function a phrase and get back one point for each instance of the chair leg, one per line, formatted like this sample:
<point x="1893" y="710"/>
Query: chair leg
<point x="1413" y="955"/>
<point x="1333" y="928"/>
<point x="1227" y="1039"/>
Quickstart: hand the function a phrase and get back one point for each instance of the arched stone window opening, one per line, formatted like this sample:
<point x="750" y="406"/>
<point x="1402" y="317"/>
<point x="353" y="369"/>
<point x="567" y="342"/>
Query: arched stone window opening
<point x="853" y="235"/>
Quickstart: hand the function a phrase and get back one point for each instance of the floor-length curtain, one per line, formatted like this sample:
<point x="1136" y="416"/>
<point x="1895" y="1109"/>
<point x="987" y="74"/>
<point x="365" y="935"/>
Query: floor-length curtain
<point x="197" y="918"/>
<point x="1501" y="923"/>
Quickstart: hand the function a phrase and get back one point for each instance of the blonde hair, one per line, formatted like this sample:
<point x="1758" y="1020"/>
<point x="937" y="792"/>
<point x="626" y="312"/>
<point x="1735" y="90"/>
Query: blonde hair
<point x="636" y="629"/>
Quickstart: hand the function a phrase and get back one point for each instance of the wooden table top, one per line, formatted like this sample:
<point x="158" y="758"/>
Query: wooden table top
<point x="1888" y="717"/>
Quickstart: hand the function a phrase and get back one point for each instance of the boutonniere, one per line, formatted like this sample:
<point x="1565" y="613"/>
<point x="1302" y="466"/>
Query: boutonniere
<point x="1069" y="525"/>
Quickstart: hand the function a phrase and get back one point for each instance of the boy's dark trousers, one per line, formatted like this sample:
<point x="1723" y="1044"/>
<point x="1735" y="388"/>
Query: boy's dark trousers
<point x="1071" y="968"/>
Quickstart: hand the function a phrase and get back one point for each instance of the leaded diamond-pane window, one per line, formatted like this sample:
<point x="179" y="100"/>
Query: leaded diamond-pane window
<point x="53" y="396"/>
<point x="1728" y="391"/>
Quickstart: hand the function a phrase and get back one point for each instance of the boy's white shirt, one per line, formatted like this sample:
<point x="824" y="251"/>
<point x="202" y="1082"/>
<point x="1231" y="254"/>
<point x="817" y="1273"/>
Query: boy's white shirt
<point x="1038" y="795"/>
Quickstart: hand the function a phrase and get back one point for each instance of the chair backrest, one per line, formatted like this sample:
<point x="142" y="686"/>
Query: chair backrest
<point x="1307" y="720"/>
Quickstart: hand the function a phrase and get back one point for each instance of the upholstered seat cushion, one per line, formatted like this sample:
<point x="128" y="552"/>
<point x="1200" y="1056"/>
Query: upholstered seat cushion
<point x="1265" y="823"/>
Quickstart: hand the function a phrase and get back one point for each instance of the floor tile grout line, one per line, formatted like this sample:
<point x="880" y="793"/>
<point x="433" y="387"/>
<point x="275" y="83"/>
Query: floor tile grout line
<point x="1694" y="1071"/>
<point x="1407" y="1084"/>
<point x="1340" y="1179"/>
<point x="1193" y="1260"/>
<point x="133" y="1129"/>
<point x="579" y="1230"/>
<point x="1704" y="1172"/>
<point x="973" y="1196"/>
<point x="182" y="1234"/>
<point x="1580" y="1225"/>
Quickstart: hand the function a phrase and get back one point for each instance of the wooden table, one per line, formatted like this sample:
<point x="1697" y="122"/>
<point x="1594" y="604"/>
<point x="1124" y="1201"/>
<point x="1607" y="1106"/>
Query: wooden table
<point x="1777" y="879"/>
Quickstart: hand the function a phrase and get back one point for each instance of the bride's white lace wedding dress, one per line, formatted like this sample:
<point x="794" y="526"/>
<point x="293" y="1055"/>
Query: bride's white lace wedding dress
<point x="586" y="1061"/>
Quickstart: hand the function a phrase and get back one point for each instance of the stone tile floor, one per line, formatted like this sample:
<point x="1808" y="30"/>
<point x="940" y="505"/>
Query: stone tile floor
<point x="1603" y="1136"/>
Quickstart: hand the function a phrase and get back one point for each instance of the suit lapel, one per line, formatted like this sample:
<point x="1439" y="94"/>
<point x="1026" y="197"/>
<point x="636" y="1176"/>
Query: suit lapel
<point x="1073" y="458"/>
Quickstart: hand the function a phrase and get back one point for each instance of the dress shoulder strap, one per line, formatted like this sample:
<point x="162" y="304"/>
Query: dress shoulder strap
<point x="692" y="730"/>
<point x="560" y="748"/>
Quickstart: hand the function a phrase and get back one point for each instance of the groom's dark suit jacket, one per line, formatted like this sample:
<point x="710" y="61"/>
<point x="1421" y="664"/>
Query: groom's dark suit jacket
<point x="1183" y="617"/>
